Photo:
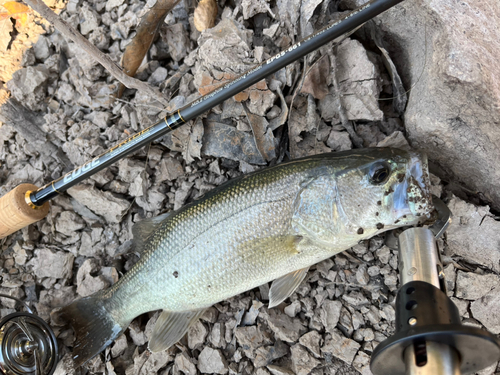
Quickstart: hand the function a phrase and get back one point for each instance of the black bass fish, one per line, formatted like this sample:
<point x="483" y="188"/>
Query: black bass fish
<point x="268" y="225"/>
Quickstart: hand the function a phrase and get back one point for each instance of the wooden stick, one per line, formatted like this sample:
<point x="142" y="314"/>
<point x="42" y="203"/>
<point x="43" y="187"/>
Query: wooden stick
<point x="69" y="32"/>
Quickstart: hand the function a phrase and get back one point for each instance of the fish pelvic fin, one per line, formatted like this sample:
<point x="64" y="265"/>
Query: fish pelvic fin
<point x="95" y="328"/>
<point x="283" y="287"/>
<point x="171" y="327"/>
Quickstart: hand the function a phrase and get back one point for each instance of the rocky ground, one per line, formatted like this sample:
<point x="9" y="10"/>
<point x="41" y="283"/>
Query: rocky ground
<point x="340" y="97"/>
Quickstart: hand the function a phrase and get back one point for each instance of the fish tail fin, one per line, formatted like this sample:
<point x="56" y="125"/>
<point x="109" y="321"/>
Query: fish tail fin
<point x="95" y="327"/>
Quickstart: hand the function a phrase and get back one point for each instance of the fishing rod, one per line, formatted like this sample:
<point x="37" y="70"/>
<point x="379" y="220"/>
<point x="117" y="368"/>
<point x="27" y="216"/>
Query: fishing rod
<point x="27" y="204"/>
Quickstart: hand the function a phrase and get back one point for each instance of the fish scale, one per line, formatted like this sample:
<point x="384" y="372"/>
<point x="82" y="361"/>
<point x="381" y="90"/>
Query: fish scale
<point x="269" y="225"/>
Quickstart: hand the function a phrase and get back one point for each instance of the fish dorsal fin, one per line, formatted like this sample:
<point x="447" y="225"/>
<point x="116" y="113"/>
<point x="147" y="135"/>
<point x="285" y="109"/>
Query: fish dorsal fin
<point x="143" y="229"/>
<point x="283" y="287"/>
<point x="171" y="327"/>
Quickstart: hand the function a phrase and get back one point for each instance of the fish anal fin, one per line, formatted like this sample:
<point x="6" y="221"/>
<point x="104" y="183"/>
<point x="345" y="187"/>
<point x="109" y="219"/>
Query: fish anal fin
<point x="283" y="287"/>
<point x="143" y="229"/>
<point x="171" y="327"/>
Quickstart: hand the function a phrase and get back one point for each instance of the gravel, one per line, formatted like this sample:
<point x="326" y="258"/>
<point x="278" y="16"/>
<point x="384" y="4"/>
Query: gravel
<point x="345" y="305"/>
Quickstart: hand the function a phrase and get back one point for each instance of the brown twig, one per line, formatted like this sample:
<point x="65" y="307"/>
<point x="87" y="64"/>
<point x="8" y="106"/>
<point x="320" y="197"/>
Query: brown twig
<point x="69" y="32"/>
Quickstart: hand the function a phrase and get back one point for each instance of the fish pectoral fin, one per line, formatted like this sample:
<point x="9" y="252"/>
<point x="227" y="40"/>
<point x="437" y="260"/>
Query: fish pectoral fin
<point x="171" y="327"/>
<point x="143" y="229"/>
<point x="283" y="287"/>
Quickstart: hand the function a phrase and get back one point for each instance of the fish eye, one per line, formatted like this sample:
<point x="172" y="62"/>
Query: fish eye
<point x="379" y="173"/>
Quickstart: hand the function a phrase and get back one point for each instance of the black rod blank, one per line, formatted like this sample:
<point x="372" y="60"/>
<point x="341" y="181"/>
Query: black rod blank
<point x="348" y="23"/>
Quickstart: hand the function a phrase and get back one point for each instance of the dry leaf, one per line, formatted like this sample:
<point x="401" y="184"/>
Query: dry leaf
<point x="139" y="46"/>
<point x="19" y="11"/>
<point x="316" y="81"/>
<point x="205" y="15"/>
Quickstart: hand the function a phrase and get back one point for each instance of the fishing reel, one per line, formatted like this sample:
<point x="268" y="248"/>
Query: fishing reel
<point x="430" y="338"/>
<point x="28" y="345"/>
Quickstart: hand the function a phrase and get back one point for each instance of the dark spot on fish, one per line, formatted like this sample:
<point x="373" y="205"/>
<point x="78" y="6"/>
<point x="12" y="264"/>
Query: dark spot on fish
<point x="379" y="203"/>
<point x="360" y="231"/>
<point x="404" y="216"/>
<point x="380" y="225"/>
<point x="397" y="221"/>
<point x="209" y="286"/>
<point x="400" y="177"/>
<point x="176" y="274"/>
<point x="376" y="213"/>
<point x="389" y="191"/>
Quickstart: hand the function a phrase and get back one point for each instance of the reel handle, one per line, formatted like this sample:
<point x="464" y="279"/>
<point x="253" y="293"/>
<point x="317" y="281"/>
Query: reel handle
<point x="16" y="211"/>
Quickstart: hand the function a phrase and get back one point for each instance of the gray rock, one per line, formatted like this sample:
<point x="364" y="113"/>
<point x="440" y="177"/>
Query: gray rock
<point x="474" y="234"/>
<point x="42" y="48"/>
<point x="293" y="309"/>
<point x="66" y="365"/>
<point x="302" y="362"/>
<point x="311" y="340"/>
<point x="450" y="276"/>
<point x="265" y="355"/>
<point x="216" y="336"/>
<point x="356" y="299"/>
<point x="211" y="361"/>
<point x="277" y="370"/>
<point x="224" y="48"/>
<point x="286" y="328"/>
<point x="357" y="75"/>
<point x="89" y="19"/>
<point x="54" y="264"/>
<point x="472" y="286"/>
<point x="330" y="314"/>
<point x="88" y="284"/>
<point x="458" y="133"/>
<point x="184" y="364"/>
<point x="101" y="203"/>
<point x="362" y="363"/>
<point x="485" y="308"/>
<point x="251" y="315"/>
<point x="119" y="346"/>
<point x="137" y="335"/>
<point x="250" y="338"/>
<point x="53" y="298"/>
<point x="339" y="141"/>
<point x="383" y="254"/>
<point x="129" y="169"/>
<point x="28" y="86"/>
<point x="463" y="306"/>
<point x="341" y="347"/>
<point x="151" y="363"/>
<point x="177" y="40"/>
<point x="395" y="140"/>
<point x="158" y="76"/>
<point x="68" y="223"/>
<point x="197" y="335"/>
<point x="362" y="275"/>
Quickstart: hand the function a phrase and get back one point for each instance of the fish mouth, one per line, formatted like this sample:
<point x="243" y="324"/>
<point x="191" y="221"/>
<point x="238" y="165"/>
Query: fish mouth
<point x="412" y="197"/>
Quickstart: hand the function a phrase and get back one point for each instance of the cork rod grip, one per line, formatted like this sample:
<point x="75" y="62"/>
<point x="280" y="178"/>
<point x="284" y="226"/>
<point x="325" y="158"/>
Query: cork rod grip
<point x="15" y="213"/>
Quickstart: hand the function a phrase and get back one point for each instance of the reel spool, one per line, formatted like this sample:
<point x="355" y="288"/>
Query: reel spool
<point x="28" y="345"/>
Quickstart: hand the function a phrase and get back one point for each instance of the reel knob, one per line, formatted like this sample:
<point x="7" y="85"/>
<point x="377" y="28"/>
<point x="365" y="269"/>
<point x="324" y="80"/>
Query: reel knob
<point x="27" y="345"/>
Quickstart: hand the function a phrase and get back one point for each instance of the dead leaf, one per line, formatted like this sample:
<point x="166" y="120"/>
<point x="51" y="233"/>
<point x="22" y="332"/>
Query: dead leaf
<point x="263" y="136"/>
<point x="281" y="119"/>
<point x="399" y="93"/>
<point x="316" y="81"/>
<point x="221" y="140"/>
<point x="19" y="11"/>
<point x="205" y="15"/>
<point x="139" y="46"/>
<point x="193" y="148"/>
